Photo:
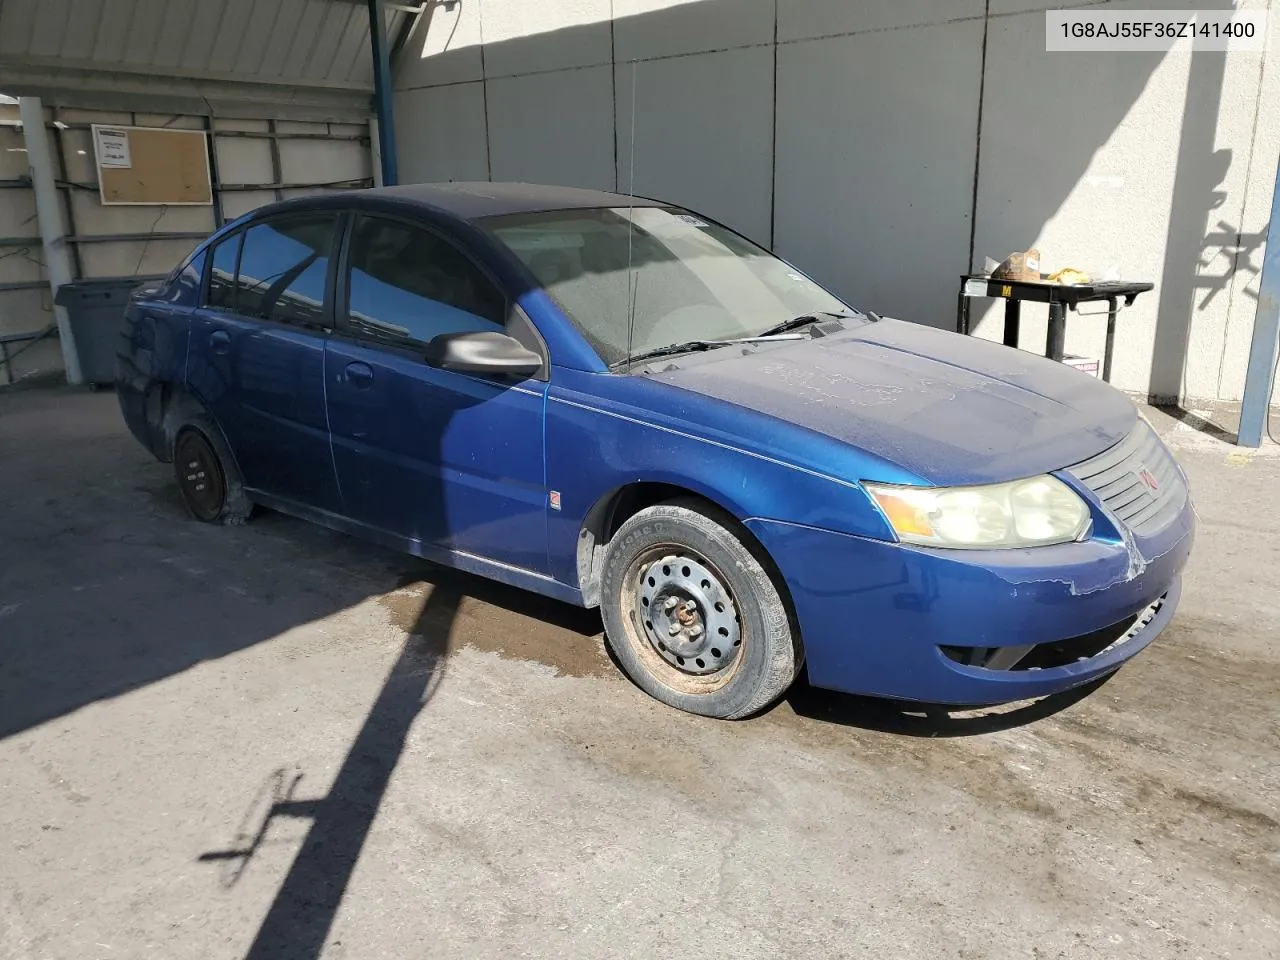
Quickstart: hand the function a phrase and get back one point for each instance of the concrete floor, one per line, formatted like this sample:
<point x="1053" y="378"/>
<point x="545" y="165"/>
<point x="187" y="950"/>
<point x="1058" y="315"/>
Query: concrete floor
<point x="274" y="741"/>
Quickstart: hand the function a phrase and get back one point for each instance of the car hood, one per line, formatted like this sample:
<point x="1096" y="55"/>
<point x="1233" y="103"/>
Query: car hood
<point x="950" y="409"/>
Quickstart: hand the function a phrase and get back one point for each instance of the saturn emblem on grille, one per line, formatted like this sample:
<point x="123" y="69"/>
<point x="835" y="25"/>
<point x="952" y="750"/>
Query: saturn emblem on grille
<point x="1149" y="478"/>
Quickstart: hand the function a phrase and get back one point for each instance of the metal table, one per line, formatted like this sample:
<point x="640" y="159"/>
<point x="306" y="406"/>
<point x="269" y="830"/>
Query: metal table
<point x="1059" y="297"/>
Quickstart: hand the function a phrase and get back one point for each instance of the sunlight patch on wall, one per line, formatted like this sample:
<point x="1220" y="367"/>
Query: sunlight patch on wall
<point x="469" y="23"/>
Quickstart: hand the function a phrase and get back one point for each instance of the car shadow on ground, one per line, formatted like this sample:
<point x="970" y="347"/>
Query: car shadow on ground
<point x="909" y="719"/>
<point x="927" y="720"/>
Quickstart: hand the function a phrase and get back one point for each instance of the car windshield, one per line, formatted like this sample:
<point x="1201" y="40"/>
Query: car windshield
<point x="689" y="279"/>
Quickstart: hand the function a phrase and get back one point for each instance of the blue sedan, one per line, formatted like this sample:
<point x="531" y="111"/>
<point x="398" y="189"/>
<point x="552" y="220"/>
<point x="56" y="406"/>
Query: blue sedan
<point x="620" y="403"/>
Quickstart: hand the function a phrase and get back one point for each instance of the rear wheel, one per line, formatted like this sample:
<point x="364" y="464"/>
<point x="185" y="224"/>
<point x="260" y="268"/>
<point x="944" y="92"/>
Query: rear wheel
<point x="692" y="614"/>
<point x="207" y="476"/>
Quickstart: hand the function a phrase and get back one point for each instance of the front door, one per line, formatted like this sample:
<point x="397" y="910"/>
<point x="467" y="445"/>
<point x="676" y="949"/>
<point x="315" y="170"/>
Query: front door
<point x="257" y="355"/>
<point x="446" y="459"/>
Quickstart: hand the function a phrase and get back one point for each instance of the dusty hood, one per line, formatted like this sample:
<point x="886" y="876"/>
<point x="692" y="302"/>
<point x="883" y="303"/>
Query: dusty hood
<point x="949" y="408"/>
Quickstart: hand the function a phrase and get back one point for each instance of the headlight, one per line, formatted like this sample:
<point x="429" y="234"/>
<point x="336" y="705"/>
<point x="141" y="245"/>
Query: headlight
<point x="1024" y="513"/>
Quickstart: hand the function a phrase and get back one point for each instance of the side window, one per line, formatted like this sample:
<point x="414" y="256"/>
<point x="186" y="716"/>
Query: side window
<point x="283" y="268"/>
<point x="407" y="282"/>
<point x="183" y="283"/>
<point x="222" y="275"/>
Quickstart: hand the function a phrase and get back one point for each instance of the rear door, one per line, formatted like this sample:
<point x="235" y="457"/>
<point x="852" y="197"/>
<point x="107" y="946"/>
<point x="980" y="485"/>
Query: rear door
<point x="257" y="353"/>
<point x="447" y="459"/>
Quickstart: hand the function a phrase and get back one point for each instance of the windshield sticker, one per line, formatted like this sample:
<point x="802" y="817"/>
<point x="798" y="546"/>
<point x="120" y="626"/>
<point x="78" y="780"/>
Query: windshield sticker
<point x="691" y="220"/>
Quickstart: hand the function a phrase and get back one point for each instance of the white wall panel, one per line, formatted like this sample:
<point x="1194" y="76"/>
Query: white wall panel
<point x="239" y="202"/>
<point x="1104" y="195"/>
<point x="441" y="133"/>
<point x="553" y="128"/>
<point x="320" y="161"/>
<point x="134" y="257"/>
<point x="805" y="19"/>
<point x="875" y="164"/>
<point x="13" y="153"/>
<point x="703" y="134"/>
<point x="447" y="51"/>
<point x="534" y="37"/>
<point x="1098" y="160"/>
<point x="243" y="160"/>
<point x="664" y="28"/>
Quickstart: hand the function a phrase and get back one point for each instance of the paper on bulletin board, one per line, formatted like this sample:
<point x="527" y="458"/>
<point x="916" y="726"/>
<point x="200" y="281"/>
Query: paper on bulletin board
<point x="113" y="148"/>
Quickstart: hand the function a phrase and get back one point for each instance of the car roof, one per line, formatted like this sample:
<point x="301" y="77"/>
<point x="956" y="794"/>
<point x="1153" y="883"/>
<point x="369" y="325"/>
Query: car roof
<point x="475" y="200"/>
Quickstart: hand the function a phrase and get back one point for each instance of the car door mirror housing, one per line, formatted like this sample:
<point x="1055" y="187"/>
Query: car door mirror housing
<point x="483" y="352"/>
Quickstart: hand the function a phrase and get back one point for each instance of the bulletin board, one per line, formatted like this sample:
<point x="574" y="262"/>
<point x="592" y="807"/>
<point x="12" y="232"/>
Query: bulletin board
<point x="152" y="165"/>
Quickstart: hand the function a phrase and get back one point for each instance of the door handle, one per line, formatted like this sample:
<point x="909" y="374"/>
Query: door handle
<point x="360" y="375"/>
<point x="220" y="341"/>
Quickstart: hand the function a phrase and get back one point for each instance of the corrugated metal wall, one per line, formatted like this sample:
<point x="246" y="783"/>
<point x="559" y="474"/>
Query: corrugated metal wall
<point x="257" y="161"/>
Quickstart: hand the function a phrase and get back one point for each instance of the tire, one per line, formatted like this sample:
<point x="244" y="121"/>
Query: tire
<point x="207" y="476"/>
<point x="729" y="655"/>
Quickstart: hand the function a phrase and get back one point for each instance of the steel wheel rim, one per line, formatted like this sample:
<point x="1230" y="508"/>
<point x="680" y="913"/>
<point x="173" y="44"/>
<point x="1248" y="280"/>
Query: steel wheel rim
<point x="683" y="619"/>
<point x="200" y="476"/>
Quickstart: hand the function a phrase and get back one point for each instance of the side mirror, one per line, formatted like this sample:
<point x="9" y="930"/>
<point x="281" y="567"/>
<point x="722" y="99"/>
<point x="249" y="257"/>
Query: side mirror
<point x="483" y="352"/>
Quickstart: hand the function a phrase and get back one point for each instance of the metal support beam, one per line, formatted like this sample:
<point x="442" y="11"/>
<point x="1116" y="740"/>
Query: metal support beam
<point x="375" y="152"/>
<point x="125" y="237"/>
<point x="57" y="255"/>
<point x="70" y="208"/>
<point x="277" y="169"/>
<point x="1259" y="377"/>
<point x="215" y="180"/>
<point x="382" y="92"/>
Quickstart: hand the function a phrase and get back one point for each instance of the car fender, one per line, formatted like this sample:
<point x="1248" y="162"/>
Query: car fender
<point x="601" y="444"/>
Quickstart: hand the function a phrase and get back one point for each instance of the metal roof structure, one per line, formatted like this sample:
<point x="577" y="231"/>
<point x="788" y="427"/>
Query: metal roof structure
<point x="307" y="59"/>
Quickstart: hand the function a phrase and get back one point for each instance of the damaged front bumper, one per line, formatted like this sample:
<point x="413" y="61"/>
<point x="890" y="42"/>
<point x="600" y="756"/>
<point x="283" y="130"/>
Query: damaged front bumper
<point x="976" y="626"/>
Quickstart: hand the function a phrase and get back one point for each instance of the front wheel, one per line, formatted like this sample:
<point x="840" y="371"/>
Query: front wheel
<point x="693" y="616"/>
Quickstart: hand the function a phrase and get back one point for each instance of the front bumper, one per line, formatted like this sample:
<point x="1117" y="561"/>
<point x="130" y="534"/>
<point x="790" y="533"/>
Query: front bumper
<point x="886" y="619"/>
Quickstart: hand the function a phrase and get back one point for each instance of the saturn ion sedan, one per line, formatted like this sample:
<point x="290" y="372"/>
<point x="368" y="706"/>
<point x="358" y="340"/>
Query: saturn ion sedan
<point x="620" y="403"/>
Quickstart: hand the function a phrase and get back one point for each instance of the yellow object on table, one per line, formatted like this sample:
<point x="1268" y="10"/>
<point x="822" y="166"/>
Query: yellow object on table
<point x="1069" y="275"/>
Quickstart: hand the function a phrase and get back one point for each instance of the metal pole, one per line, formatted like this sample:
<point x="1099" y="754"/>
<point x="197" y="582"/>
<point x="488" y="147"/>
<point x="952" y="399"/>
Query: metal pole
<point x="1259" y="377"/>
<point x="382" y="92"/>
<point x="375" y="152"/>
<point x="57" y="255"/>
<point x="215" y="185"/>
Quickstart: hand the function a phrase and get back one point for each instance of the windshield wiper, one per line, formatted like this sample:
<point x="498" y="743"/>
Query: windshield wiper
<point x="689" y="346"/>
<point x="802" y="321"/>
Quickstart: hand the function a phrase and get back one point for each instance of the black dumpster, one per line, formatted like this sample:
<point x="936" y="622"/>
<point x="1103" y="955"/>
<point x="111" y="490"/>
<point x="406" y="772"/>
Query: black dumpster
<point x="95" y="313"/>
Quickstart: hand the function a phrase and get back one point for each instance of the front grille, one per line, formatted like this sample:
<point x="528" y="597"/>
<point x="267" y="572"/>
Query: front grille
<point x="1123" y="476"/>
